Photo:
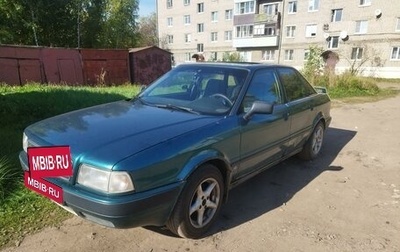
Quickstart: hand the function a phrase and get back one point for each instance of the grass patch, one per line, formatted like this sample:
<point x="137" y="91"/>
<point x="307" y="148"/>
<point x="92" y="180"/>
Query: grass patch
<point x="22" y="211"/>
<point x="9" y="177"/>
<point x="348" y="87"/>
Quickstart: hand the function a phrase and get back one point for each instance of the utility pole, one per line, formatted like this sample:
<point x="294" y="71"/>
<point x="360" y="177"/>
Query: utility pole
<point x="280" y="31"/>
<point x="78" y="20"/>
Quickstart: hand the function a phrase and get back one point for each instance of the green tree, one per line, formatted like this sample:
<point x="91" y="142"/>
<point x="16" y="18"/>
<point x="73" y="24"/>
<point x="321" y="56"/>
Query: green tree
<point x="314" y="65"/>
<point x="148" y="30"/>
<point x="16" y="24"/>
<point x="120" y="26"/>
<point x="69" y="23"/>
<point x="90" y="20"/>
<point x="54" y="21"/>
<point x="232" y="57"/>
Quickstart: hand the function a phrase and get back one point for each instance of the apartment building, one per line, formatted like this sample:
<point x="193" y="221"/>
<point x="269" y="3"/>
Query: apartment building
<point x="363" y="34"/>
<point x="188" y="27"/>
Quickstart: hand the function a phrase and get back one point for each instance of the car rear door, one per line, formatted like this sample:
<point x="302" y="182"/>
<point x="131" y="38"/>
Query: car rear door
<point x="299" y="101"/>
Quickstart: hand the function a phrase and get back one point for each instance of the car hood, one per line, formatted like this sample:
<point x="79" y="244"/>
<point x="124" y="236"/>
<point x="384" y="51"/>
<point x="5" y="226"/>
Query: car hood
<point x="111" y="132"/>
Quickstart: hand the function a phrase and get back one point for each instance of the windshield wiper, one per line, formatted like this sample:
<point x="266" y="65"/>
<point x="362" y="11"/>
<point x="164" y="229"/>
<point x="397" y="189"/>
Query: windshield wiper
<point x="178" y="108"/>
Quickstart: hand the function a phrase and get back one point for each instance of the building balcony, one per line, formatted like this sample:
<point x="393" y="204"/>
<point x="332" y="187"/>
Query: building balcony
<point x="265" y="18"/>
<point x="256" y="19"/>
<point x="256" y="41"/>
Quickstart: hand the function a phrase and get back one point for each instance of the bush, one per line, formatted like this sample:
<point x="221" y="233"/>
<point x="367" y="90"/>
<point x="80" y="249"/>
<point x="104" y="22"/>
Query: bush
<point x="232" y="57"/>
<point x="356" y="86"/>
<point x="9" y="177"/>
<point x="313" y="67"/>
<point x="347" y="85"/>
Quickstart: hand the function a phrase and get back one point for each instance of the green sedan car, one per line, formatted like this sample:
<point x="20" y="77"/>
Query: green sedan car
<point x="170" y="155"/>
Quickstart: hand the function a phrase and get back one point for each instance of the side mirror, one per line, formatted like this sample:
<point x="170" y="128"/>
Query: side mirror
<point x="142" y="88"/>
<point x="258" y="107"/>
<point x="321" y="90"/>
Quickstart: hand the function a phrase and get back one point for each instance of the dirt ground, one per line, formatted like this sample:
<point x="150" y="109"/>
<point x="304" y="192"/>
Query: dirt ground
<point x="346" y="200"/>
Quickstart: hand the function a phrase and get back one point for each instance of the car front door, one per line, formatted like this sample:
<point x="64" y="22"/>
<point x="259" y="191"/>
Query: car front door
<point x="263" y="136"/>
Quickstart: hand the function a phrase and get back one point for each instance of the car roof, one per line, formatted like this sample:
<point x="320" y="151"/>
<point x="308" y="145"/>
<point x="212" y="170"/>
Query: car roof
<point x="245" y="65"/>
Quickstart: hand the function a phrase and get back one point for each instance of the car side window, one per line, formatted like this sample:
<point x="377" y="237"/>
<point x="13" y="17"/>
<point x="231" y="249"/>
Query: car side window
<point x="263" y="87"/>
<point x="296" y="87"/>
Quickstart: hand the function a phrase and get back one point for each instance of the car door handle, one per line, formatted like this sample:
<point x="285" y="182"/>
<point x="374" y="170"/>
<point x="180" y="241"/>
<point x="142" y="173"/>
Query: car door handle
<point x="286" y="116"/>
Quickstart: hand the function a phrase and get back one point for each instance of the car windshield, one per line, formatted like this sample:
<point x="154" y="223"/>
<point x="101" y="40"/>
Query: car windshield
<point x="198" y="88"/>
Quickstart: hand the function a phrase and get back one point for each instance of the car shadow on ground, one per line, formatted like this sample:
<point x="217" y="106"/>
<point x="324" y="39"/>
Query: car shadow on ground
<point x="276" y="186"/>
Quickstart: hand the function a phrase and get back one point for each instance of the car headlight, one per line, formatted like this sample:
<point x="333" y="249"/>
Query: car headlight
<point x="24" y="142"/>
<point x="105" y="180"/>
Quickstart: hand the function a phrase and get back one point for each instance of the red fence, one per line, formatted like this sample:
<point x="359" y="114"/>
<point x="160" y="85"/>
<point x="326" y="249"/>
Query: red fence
<point x="105" y="66"/>
<point x="19" y="65"/>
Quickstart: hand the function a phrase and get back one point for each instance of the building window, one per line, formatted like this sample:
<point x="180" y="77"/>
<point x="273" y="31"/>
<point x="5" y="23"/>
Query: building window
<point x="169" y="4"/>
<point x="357" y="53"/>
<point x="228" y="35"/>
<point x="395" y="53"/>
<point x="244" y="7"/>
<point x="263" y="29"/>
<point x="398" y="24"/>
<point x="365" y="2"/>
<point x="292" y="7"/>
<point x="186" y="19"/>
<point x="311" y="30"/>
<point x="270" y="9"/>
<point x="290" y="31"/>
<point x="244" y="31"/>
<point x="361" y="26"/>
<point x="186" y="2"/>
<point x="188" y="57"/>
<point x="200" y="7"/>
<point x="213" y="56"/>
<point x="270" y="31"/>
<point x="200" y="47"/>
<point x="228" y="14"/>
<point x="268" y="55"/>
<point x="170" y="39"/>
<point x="313" y="5"/>
<point x="214" y="16"/>
<point x="188" y="38"/>
<point x="336" y="15"/>
<point x="289" y="54"/>
<point x="169" y="22"/>
<point x="246" y="56"/>
<point x="306" y="54"/>
<point x="333" y="43"/>
<point x="259" y="29"/>
<point x="214" y="36"/>
<point x="200" y="27"/>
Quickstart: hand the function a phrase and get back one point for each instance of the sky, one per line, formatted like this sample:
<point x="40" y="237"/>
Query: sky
<point x="146" y="7"/>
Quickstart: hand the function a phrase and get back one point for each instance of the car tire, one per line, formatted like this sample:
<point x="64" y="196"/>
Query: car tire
<point x="312" y="147"/>
<point x="199" y="204"/>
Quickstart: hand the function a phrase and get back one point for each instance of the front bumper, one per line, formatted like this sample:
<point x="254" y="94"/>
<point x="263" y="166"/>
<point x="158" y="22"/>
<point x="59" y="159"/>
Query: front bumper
<point x="150" y="208"/>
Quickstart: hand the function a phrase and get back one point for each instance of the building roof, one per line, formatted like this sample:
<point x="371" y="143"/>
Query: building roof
<point x="138" y="49"/>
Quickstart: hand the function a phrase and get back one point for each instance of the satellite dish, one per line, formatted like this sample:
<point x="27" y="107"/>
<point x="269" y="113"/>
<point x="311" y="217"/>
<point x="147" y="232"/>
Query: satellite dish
<point x="326" y="35"/>
<point x="344" y="36"/>
<point x="378" y="13"/>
